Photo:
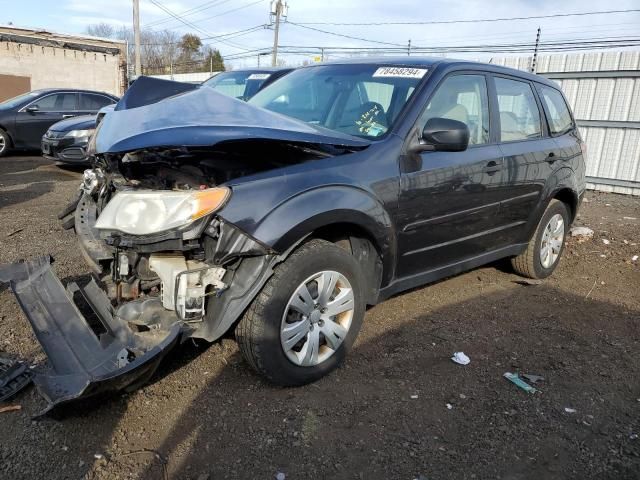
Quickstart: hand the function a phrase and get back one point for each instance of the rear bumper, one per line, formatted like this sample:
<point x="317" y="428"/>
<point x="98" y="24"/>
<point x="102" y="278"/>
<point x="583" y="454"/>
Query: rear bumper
<point x="82" y="362"/>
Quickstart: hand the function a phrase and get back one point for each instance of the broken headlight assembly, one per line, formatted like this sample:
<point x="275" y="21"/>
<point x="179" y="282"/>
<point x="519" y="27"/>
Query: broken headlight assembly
<point x="147" y="212"/>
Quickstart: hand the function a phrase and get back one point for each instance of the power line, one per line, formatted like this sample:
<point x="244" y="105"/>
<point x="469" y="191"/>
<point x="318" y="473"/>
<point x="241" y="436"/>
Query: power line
<point x="345" y="36"/>
<point x="199" y="8"/>
<point x="216" y="38"/>
<point x="478" y="20"/>
<point x="192" y="25"/>
<point x="221" y="13"/>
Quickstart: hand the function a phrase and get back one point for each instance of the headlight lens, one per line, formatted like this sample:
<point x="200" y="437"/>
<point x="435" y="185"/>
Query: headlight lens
<point x="79" y="133"/>
<point x="145" y="212"/>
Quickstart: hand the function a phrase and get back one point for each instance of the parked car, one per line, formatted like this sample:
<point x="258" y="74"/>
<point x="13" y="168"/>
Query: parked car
<point x="244" y="84"/>
<point x="25" y="118"/>
<point x="284" y="217"/>
<point x="66" y="141"/>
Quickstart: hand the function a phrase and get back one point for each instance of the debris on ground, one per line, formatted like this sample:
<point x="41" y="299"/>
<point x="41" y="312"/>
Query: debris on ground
<point x="460" y="358"/>
<point x="10" y="408"/>
<point x="515" y="379"/>
<point x="634" y="258"/>
<point x="14" y="376"/>
<point x="414" y="397"/>
<point x="570" y="410"/>
<point x="605" y="241"/>
<point x="14" y="232"/>
<point x="449" y="406"/>
<point x="584" y="232"/>
<point x="528" y="282"/>
<point x="280" y="476"/>
<point x="533" y="378"/>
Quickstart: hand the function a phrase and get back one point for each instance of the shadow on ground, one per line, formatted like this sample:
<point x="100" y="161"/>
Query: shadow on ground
<point x="363" y="420"/>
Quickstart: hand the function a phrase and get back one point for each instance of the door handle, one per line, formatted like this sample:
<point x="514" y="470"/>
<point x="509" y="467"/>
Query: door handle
<point x="68" y="116"/>
<point x="492" y="167"/>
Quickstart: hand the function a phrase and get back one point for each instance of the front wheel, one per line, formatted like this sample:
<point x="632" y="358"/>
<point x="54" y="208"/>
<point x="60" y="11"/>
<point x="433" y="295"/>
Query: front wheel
<point x="5" y="143"/>
<point x="545" y="248"/>
<point x="307" y="316"/>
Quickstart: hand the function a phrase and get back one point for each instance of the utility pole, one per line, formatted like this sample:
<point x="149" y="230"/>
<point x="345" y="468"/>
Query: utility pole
<point x="136" y="34"/>
<point x="409" y="48"/>
<point x="277" y="13"/>
<point x="535" y="53"/>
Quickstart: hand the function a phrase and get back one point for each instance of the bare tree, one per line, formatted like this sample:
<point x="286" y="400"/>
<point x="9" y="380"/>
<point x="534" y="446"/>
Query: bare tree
<point x="164" y="51"/>
<point x="103" y="30"/>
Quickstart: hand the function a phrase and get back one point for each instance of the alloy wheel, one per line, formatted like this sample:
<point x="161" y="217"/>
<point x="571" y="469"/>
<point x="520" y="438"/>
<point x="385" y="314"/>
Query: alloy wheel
<point x="552" y="239"/>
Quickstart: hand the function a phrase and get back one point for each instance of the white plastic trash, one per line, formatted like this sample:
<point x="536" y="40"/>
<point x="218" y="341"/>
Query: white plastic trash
<point x="581" y="232"/>
<point x="460" y="358"/>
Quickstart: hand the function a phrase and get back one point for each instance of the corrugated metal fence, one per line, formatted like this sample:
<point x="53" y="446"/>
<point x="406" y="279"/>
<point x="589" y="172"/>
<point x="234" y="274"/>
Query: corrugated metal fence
<point x="603" y="90"/>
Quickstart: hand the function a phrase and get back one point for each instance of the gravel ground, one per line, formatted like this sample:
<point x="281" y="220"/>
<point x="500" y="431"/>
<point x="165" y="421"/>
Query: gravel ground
<point x="384" y="414"/>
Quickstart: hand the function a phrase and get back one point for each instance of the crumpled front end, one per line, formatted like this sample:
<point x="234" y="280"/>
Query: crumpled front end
<point x="89" y="352"/>
<point x="149" y="218"/>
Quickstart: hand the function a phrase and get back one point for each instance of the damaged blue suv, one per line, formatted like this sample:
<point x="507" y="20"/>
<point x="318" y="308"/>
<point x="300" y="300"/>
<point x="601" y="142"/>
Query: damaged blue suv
<point x="282" y="218"/>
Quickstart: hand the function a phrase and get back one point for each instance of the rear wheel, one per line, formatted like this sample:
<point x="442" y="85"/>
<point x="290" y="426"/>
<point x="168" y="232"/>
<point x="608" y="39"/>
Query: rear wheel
<point x="307" y="316"/>
<point x="5" y="143"/>
<point x="545" y="248"/>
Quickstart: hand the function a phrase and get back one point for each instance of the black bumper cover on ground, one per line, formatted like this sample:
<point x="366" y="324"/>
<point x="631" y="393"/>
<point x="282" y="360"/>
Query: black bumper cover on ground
<point x="82" y="363"/>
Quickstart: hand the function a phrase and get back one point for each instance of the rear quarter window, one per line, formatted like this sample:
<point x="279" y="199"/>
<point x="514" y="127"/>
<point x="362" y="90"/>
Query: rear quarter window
<point x="560" y="120"/>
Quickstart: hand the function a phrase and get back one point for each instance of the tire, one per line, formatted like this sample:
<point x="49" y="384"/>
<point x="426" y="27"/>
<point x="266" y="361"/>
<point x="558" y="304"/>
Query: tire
<point x="259" y="331"/>
<point x="530" y="263"/>
<point x="5" y="143"/>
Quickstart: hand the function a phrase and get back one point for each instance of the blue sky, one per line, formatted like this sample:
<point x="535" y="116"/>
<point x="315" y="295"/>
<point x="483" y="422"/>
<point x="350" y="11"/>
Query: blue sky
<point x="216" y="17"/>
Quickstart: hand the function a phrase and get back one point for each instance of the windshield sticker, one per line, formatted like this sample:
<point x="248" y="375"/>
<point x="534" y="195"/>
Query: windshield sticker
<point x="403" y="72"/>
<point x="258" y="76"/>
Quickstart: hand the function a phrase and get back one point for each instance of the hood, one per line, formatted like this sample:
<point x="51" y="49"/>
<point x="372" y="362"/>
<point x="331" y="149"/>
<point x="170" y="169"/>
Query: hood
<point x="161" y="113"/>
<point x="84" y="122"/>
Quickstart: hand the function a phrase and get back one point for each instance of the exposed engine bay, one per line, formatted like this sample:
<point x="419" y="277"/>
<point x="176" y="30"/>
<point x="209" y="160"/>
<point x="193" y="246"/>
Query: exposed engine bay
<point x="174" y="265"/>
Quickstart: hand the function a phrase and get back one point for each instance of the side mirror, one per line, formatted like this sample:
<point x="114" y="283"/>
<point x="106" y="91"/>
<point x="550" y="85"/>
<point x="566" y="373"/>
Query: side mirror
<point x="443" y="135"/>
<point x="32" y="109"/>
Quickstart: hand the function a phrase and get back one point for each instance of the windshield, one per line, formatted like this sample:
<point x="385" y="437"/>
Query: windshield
<point x="243" y="84"/>
<point x="360" y="100"/>
<point x="15" y="101"/>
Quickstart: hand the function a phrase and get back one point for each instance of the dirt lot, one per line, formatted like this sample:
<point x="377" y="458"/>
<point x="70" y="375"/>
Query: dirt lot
<point x="384" y="414"/>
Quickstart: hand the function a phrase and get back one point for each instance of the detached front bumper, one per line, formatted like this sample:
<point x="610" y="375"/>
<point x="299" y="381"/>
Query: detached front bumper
<point x="83" y="362"/>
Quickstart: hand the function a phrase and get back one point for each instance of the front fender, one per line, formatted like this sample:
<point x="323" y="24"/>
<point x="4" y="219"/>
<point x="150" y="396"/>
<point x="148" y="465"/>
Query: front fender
<point x="297" y="216"/>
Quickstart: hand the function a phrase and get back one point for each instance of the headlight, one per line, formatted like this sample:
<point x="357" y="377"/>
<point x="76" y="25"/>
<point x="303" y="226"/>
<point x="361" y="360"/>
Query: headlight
<point x="79" y="133"/>
<point x="145" y="212"/>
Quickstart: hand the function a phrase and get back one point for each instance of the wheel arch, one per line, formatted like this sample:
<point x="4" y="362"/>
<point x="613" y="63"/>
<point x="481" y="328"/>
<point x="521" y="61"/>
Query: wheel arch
<point x="5" y="130"/>
<point x="335" y="213"/>
<point x="570" y="198"/>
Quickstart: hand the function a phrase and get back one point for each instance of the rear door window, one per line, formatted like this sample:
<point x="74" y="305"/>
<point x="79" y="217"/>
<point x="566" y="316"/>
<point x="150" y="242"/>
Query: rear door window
<point x="519" y="113"/>
<point x="60" y="102"/>
<point x="560" y="120"/>
<point x="93" y="102"/>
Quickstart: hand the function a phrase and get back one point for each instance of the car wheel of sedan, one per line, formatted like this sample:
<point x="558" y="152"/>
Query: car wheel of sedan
<point x="543" y="253"/>
<point x="307" y="316"/>
<point x="5" y="143"/>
